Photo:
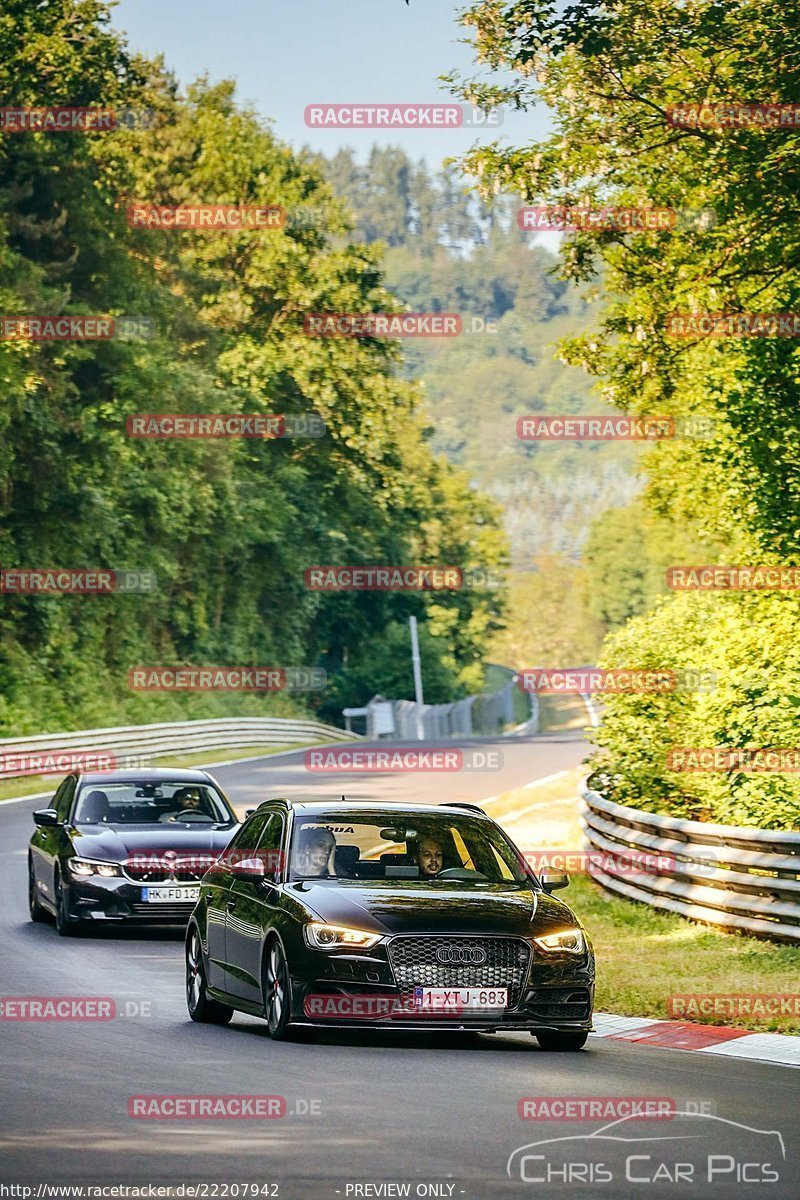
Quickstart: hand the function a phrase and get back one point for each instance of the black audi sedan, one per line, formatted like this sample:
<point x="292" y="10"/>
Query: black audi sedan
<point x="126" y="847"/>
<point x="418" y="917"/>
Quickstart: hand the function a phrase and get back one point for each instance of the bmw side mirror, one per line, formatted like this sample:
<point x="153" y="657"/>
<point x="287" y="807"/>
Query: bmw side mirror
<point x="45" y="816"/>
<point x="553" y="880"/>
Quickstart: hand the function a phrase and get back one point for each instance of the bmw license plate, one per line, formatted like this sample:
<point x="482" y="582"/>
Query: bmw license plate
<point x="170" y="895"/>
<point x="460" y="999"/>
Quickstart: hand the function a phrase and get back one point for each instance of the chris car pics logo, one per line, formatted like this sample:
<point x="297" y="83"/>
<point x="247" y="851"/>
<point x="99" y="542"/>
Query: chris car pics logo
<point x="698" y="1148"/>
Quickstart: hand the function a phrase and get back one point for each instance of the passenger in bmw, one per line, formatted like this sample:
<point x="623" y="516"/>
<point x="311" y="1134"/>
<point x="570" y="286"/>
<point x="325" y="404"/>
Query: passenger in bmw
<point x="430" y="857"/>
<point x="315" y="847"/>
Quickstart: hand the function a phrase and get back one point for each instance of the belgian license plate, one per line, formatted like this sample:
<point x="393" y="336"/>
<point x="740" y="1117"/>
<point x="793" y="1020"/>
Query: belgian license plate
<point x="460" y="999"/>
<point x="170" y="895"/>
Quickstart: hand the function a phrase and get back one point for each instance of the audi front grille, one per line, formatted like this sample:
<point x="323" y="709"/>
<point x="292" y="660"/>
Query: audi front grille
<point x="449" y="962"/>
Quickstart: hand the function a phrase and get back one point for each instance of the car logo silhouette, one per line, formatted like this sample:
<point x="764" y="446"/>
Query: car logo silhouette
<point x="457" y="956"/>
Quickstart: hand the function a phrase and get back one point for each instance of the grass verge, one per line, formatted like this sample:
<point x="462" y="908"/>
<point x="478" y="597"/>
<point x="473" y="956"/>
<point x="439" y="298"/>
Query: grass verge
<point x="644" y="955"/>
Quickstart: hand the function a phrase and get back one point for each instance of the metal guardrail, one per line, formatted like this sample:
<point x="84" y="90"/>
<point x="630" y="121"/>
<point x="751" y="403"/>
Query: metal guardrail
<point x="178" y="737"/>
<point x="484" y="714"/>
<point x="724" y="875"/>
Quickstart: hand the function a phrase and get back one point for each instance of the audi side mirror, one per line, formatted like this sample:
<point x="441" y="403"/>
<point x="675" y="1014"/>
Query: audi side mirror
<point x="45" y="817"/>
<point x="248" y="868"/>
<point x="553" y="880"/>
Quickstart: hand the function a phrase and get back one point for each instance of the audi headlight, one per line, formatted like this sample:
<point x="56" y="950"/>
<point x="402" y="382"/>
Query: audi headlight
<point x="82" y="867"/>
<point x="569" y="941"/>
<point x="338" y="937"/>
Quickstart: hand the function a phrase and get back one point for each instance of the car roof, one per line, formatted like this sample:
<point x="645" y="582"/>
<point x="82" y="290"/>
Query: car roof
<point x="313" y="807"/>
<point x="146" y="775"/>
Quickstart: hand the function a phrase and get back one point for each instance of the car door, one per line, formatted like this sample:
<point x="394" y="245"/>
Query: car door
<point x="217" y="886"/>
<point x="251" y="909"/>
<point x="49" y="840"/>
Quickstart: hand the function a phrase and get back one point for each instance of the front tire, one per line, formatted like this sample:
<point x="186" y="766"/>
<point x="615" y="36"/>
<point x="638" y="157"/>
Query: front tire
<point x="556" y="1039"/>
<point x="37" y="913"/>
<point x="277" y="991"/>
<point x="201" y="1008"/>
<point x="65" y="925"/>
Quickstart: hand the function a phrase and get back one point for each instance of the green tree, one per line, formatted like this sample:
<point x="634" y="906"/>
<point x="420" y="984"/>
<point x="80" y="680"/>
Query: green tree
<point x="611" y="74"/>
<point x="229" y="528"/>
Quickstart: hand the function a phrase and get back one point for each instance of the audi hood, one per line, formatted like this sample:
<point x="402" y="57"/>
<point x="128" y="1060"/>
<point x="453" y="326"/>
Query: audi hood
<point x="412" y="907"/>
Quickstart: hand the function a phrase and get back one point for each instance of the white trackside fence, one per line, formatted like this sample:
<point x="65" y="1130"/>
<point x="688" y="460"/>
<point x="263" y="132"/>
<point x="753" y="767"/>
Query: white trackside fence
<point x="724" y="875"/>
<point x="134" y="745"/>
<point x="483" y="715"/>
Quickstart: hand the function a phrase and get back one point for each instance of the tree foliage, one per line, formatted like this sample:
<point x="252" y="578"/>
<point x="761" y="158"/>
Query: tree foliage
<point x="228" y="527"/>
<point x="610" y="73"/>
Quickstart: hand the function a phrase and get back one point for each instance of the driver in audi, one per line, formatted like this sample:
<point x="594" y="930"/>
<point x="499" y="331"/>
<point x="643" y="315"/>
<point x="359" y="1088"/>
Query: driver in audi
<point x="430" y="857"/>
<point x="314" y="847"/>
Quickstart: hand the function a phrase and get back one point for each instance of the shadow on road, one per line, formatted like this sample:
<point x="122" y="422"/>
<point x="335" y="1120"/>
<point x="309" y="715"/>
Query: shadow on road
<point x="390" y="1039"/>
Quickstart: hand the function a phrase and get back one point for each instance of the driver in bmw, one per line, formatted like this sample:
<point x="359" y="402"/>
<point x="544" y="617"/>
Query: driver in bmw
<point x="186" y="799"/>
<point x="430" y="857"/>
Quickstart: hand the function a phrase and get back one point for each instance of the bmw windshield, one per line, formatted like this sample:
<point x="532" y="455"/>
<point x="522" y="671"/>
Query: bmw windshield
<point x="165" y="802"/>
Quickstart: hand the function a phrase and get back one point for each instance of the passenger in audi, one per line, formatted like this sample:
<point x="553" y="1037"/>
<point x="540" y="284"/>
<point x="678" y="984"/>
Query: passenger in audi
<point x="430" y="857"/>
<point x="315" y="848"/>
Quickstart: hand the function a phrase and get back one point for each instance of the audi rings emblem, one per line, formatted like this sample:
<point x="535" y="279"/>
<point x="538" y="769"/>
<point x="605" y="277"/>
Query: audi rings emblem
<point x="461" y="956"/>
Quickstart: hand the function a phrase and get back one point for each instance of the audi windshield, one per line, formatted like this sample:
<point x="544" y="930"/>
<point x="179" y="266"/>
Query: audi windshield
<point x="436" y="850"/>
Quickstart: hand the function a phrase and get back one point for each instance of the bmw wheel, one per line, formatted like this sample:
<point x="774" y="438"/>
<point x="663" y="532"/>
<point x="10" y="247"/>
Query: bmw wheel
<point x="201" y="1008"/>
<point x="37" y="912"/>
<point x="65" y="925"/>
<point x="277" y="991"/>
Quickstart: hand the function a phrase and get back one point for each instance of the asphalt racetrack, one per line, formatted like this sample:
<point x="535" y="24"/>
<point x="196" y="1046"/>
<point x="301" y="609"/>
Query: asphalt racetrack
<point x="367" y="1114"/>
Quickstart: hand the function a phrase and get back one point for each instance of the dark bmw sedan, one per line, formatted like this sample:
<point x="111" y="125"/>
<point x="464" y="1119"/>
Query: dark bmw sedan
<point x="418" y="917"/>
<point x="126" y="847"/>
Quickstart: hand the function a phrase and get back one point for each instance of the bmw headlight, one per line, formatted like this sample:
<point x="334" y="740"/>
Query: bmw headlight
<point x="83" y="867"/>
<point x="568" y="941"/>
<point x="338" y="937"/>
